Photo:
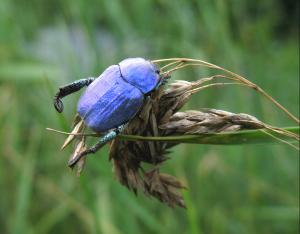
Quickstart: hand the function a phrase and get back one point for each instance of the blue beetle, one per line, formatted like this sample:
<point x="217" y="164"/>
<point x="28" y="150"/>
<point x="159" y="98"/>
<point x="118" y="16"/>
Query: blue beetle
<point x="112" y="99"/>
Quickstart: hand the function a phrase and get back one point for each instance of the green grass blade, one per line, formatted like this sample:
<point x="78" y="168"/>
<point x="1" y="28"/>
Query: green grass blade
<point x="257" y="136"/>
<point x="28" y="72"/>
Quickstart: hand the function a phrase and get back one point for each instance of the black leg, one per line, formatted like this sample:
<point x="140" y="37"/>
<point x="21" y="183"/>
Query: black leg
<point x="68" y="89"/>
<point x="102" y="141"/>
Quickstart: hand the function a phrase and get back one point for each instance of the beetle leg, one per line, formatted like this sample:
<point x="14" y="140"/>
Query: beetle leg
<point x="68" y="89"/>
<point x="102" y="141"/>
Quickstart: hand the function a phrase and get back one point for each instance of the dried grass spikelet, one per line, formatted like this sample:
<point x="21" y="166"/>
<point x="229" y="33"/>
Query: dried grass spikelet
<point x="160" y="116"/>
<point x="128" y="156"/>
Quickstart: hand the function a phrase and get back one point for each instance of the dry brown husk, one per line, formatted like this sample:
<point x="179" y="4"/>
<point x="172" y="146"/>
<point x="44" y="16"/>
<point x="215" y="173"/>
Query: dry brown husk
<point x="160" y="116"/>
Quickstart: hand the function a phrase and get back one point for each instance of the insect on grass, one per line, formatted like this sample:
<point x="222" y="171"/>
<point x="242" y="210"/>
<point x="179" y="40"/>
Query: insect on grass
<point x="131" y="98"/>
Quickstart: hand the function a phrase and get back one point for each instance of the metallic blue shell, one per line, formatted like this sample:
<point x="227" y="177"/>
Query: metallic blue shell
<point x="140" y="73"/>
<point x="113" y="99"/>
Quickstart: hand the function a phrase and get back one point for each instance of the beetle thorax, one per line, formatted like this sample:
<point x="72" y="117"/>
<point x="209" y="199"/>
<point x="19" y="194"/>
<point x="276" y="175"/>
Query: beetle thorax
<point x="140" y="73"/>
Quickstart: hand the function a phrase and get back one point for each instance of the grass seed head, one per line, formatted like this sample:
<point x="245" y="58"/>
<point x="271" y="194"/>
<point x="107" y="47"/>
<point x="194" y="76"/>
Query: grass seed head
<point x="160" y="116"/>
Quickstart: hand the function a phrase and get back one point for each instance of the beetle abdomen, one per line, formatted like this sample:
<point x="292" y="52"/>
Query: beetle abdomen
<point x="109" y="101"/>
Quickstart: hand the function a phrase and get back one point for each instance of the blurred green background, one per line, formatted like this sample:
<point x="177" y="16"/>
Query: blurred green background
<point x="238" y="189"/>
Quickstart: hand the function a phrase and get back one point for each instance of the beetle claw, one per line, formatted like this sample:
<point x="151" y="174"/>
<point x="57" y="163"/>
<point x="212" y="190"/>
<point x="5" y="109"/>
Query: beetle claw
<point x="72" y="162"/>
<point x="58" y="104"/>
